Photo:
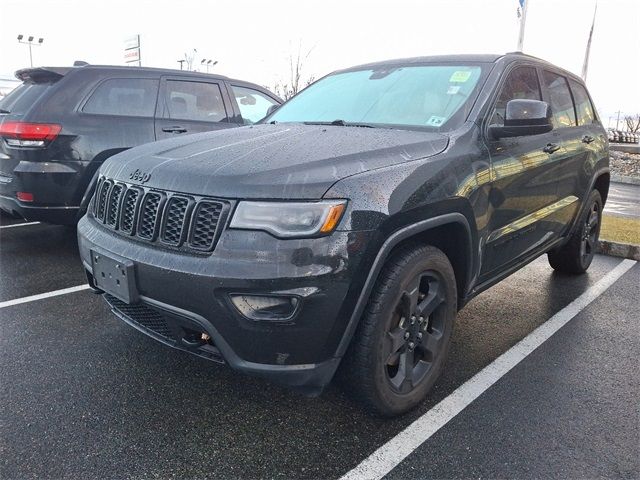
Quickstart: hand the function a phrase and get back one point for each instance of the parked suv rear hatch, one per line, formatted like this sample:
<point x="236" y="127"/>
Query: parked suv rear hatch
<point x="20" y="137"/>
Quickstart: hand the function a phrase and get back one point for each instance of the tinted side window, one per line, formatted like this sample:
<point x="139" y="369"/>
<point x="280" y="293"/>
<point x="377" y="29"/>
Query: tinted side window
<point x="522" y="83"/>
<point x="21" y="98"/>
<point x="198" y="101"/>
<point x="133" y="97"/>
<point x="561" y="102"/>
<point x="584" y="108"/>
<point x="252" y="103"/>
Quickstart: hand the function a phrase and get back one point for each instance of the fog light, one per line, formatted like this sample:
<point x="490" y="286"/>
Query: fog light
<point x="259" y="307"/>
<point x="24" y="196"/>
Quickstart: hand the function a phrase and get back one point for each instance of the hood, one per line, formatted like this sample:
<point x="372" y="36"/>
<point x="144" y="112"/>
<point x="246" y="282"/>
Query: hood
<point x="269" y="161"/>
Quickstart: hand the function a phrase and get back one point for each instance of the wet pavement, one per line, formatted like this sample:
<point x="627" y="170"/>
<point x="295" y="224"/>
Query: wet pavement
<point x="623" y="200"/>
<point x="83" y="395"/>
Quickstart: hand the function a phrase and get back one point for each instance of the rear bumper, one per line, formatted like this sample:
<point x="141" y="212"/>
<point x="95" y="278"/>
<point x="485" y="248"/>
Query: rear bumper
<point x="57" y="188"/>
<point x="181" y="296"/>
<point x="60" y="215"/>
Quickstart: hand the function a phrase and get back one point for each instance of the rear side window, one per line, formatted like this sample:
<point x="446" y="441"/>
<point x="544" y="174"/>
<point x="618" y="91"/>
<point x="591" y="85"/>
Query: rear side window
<point x="253" y="104"/>
<point x="20" y="99"/>
<point x="131" y="97"/>
<point x="560" y="99"/>
<point x="197" y="101"/>
<point x="522" y="83"/>
<point x="584" y="108"/>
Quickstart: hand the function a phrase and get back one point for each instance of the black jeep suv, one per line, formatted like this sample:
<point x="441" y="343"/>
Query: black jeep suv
<point x="349" y="227"/>
<point x="61" y="124"/>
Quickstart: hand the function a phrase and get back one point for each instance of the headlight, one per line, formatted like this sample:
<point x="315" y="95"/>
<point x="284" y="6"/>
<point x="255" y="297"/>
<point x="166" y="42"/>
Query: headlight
<point x="289" y="219"/>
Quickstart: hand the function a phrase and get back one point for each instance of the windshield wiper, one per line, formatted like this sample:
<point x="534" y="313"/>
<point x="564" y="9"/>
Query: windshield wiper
<point x="2" y="110"/>
<point x="342" y="123"/>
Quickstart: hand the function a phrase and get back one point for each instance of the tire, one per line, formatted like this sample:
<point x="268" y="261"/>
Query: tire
<point x="392" y="333"/>
<point x="577" y="254"/>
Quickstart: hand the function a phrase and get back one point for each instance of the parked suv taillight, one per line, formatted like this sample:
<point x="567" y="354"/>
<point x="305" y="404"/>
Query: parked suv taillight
<point x="23" y="134"/>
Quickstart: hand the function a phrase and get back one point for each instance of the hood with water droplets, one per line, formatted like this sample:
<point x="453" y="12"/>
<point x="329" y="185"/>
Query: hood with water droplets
<point x="284" y="161"/>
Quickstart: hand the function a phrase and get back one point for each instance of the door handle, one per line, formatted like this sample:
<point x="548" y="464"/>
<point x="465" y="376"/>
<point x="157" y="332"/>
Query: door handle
<point x="551" y="147"/>
<point x="587" y="139"/>
<point x="174" y="129"/>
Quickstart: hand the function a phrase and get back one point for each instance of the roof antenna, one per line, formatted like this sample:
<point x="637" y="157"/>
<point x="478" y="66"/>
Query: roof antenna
<point x="79" y="63"/>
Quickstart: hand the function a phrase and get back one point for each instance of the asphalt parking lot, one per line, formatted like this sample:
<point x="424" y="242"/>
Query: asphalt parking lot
<point x="83" y="395"/>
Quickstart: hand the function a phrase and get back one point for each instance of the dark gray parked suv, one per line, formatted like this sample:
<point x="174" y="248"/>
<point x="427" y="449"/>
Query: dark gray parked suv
<point x="348" y="228"/>
<point x="61" y="124"/>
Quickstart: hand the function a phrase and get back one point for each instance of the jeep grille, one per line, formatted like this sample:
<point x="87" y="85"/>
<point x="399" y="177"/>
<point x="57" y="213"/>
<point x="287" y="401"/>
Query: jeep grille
<point x="174" y="220"/>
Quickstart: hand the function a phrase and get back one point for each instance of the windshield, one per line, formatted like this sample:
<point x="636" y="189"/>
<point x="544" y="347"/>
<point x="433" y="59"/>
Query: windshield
<point x="433" y="97"/>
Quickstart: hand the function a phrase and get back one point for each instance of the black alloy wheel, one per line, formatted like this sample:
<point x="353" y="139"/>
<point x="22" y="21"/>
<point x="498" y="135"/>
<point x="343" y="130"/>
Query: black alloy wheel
<point x="402" y="340"/>
<point x="415" y="336"/>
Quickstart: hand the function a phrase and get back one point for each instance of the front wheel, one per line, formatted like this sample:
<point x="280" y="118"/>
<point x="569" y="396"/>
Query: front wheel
<point x="577" y="254"/>
<point x="402" y="342"/>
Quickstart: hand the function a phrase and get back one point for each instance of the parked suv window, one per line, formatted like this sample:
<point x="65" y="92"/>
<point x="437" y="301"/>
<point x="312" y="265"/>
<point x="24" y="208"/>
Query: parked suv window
<point x="522" y="83"/>
<point x="134" y="97"/>
<point x="584" y="108"/>
<point x="562" y="109"/>
<point x="23" y="96"/>
<point x="198" y="101"/>
<point x="252" y="103"/>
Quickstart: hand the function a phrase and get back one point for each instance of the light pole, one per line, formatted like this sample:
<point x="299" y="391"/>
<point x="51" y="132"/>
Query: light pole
<point x="208" y="63"/>
<point x="30" y="43"/>
<point x="181" y="62"/>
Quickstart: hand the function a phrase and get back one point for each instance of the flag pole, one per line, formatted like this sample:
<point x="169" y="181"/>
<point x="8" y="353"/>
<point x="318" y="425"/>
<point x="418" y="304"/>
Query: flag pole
<point x="524" y="4"/>
<point x="585" y="65"/>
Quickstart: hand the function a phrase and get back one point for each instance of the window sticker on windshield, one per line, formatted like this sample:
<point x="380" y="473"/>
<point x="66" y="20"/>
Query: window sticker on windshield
<point x="453" y="89"/>
<point x="460" y="76"/>
<point x="435" y="121"/>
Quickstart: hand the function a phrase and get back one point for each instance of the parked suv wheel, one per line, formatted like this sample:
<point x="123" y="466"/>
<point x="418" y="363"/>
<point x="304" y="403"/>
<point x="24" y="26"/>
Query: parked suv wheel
<point x="403" y="338"/>
<point x="577" y="254"/>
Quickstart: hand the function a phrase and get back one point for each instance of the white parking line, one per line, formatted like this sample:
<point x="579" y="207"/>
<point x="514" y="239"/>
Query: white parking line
<point x="389" y="455"/>
<point x="19" y="225"/>
<point x="40" y="296"/>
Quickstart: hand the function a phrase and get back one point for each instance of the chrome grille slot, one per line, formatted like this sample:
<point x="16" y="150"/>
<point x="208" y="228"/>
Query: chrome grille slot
<point x="113" y="205"/>
<point x="129" y="208"/>
<point x="174" y="221"/>
<point x="103" y="194"/>
<point x="205" y="221"/>
<point x="96" y="195"/>
<point x="149" y="214"/>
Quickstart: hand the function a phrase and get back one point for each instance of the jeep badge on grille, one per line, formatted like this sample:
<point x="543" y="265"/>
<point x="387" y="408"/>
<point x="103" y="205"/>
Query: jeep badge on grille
<point x="140" y="176"/>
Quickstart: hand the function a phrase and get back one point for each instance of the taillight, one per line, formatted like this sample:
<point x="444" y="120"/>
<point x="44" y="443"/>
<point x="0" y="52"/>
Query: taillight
<point x="24" y="196"/>
<point x="23" y="134"/>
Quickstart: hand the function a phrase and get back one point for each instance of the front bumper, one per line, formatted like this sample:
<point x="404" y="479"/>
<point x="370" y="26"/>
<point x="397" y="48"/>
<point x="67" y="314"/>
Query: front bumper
<point x="183" y="295"/>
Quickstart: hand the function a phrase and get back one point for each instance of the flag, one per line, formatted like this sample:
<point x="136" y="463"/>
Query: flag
<point x="522" y="15"/>
<point x="585" y="65"/>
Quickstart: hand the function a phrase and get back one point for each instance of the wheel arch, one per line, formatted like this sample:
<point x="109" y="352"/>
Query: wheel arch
<point x="599" y="181"/>
<point x="438" y="232"/>
<point x="601" y="184"/>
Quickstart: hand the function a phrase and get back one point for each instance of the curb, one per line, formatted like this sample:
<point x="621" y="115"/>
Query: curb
<point x="625" y="179"/>
<point x="615" y="249"/>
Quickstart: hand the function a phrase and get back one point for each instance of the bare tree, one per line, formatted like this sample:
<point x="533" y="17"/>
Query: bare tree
<point x="297" y="79"/>
<point x="189" y="57"/>
<point x="633" y="122"/>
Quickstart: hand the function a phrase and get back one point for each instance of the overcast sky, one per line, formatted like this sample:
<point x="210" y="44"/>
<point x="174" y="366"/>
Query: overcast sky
<point x="252" y="40"/>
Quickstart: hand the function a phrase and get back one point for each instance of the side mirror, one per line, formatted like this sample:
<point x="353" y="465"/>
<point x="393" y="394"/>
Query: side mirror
<point x="524" y="117"/>
<point x="272" y="109"/>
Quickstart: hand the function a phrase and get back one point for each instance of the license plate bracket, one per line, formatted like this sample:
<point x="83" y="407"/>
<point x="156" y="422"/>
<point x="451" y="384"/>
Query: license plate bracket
<point x="114" y="275"/>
